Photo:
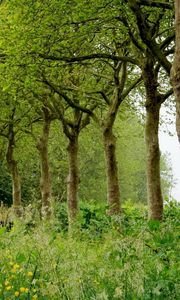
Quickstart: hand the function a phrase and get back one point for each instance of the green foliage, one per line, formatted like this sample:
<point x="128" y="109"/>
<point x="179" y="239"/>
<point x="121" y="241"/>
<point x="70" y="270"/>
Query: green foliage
<point x="31" y="30"/>
<point x="17" y="279"/>
<point x="138" y="263"/>
<point x="172" y="211"/>
<point x="92" y="219"/>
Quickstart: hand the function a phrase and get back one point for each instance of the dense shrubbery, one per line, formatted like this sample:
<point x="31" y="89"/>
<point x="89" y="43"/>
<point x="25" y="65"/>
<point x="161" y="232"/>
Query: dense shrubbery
<point x="126" y="258"/>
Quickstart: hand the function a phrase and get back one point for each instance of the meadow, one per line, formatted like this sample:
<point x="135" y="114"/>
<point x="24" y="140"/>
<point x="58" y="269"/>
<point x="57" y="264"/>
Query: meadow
<point x="101" y="258"/>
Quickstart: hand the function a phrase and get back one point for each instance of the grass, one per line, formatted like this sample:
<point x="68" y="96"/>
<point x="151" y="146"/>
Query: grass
<point x="104" y="259"/>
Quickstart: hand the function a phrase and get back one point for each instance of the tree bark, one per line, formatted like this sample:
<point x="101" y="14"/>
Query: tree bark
<point x="175" y="71"/>
<point x="13" y="167"/>
<point x="155" y="199"/>
<point x="113" y="193"/>
<point x="109" y="141"/>
<point x="45" y="181"/>
<point x="72" y="178"/>
<point x="153" y="104"/>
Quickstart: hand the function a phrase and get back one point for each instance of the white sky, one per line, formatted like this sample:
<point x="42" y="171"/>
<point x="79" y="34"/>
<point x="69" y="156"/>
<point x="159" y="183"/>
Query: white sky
<point x="171" y="146"/>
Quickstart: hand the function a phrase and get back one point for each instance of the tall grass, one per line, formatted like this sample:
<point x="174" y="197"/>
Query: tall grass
<point x="104" y="259"/>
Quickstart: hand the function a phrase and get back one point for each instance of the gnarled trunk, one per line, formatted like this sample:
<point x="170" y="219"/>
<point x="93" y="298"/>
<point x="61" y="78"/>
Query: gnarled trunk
<point x="45" y="182"/>
<point x="175" y="71"/>
<point x="13" y="167"/>
<point x="73" y="178"/>
<point x="155" y="199"/>
<point x="113" y="193"/>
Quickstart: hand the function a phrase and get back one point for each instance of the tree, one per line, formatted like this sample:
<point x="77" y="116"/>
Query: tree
<point x="103" y="64"/>
<point x="9" y="129"/>
<point x="149" y="27"/>
<point x="76" y="121"/>
<point x="41" y="113"/>
<point x="175" y="70"/>
<point x="45" y="180"/>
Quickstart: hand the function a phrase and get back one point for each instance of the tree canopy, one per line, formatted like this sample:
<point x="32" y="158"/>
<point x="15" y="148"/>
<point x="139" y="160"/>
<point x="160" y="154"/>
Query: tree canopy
<point x="72" y="72"/>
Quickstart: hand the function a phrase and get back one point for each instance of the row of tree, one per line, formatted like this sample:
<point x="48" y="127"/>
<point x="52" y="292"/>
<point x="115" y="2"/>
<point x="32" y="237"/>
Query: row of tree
<point x="76" y="62"/>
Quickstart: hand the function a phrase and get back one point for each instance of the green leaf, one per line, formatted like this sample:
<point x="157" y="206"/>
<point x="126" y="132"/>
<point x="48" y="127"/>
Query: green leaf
<point x="2" y="230"/>
<point x="20" y="258"/>
<point x="154" y="225"/>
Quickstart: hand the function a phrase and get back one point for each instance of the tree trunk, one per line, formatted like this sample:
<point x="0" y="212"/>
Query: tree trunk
<point x="45" y="182"/>
<point x="175" y="71"/>
<point x="155" y="199"/>
<point x="153" y="105"/>
<point x="113" y="193"/>
<point x="73" y="178"/>
<point x="13" y="167"/>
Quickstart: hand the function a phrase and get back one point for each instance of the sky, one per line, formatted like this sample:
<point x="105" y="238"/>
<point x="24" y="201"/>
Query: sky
<point x="170" y="145"/>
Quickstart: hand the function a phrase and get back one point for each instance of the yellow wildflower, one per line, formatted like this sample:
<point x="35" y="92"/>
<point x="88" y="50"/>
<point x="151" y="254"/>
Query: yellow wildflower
<point x="17" y="293"/>
<point x="8" y="288"/>
<point x="22" y="289"/>
<point x="26" y="290"/>
<point x="29" y="274"/>
<point x="13" y="270"/>
<point x="16" y="266"/>
<point x="34" y="297"/>
<point x="6" y="282"/>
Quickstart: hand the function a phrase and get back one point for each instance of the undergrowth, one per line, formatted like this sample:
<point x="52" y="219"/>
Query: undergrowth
<point x="127" y="258"/>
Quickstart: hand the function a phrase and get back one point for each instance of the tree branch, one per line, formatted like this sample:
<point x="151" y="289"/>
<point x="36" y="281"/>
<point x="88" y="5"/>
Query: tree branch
<point x="105" y="97"/>
<point x="166" y="95"/>
<point x="131" y="87"/>
<point x="131" y="34"/>
<point x="123" y="78"/>
<point x="67" y="99"/>
<point x="65" y="122"/>
<point x="88" y="57"/>
<point x="164" y="5"/>
<point x="167" y="41"/>
<point x="144" y="30"/>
